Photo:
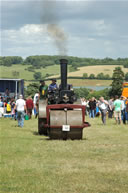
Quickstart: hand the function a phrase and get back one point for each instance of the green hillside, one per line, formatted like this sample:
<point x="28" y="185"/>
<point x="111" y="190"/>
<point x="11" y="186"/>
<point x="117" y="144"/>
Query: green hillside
<point x="48" y="66"/>
<point x="24" y="73"/>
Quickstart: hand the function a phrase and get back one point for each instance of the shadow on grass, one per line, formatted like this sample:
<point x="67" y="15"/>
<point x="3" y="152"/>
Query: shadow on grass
<point x="42" y="136"/>
<point x="35" y="133"/>
<point x="48" y="139"/>
<point x="17" y="138"/>
<point x="16" y="128"/>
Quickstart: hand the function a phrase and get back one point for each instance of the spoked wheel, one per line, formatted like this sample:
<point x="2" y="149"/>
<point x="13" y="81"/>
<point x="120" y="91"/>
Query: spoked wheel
<point x="41" y="129"/>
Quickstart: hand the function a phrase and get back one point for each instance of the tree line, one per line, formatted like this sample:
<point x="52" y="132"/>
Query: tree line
<point x="42" y="61"/>
<point x="102" y="76"/>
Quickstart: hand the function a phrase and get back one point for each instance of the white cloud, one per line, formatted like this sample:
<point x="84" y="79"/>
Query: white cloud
<point x="26" y="40"/>
<point x="28" y="32"/>
<point x="35" y="29"/>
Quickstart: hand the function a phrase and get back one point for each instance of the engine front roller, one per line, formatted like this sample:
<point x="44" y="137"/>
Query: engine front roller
<point x="66" y="121"/>
<point x="65" y="124"/>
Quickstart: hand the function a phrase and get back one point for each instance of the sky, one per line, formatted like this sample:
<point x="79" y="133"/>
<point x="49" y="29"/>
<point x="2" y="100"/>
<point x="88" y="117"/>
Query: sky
<point x="94" y="29"/>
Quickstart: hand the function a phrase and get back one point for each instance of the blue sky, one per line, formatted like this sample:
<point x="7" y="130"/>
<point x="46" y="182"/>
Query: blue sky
<point x="96" y="29"/>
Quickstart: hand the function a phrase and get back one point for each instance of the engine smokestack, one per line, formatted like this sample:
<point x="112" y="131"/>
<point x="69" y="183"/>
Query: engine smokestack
<point x="63" y="64"/>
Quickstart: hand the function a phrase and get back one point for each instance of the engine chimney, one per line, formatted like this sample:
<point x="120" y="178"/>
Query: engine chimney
<point x="63" y="63"/>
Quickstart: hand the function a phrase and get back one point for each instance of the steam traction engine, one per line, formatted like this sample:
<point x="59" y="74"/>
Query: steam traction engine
<point x="64" y="119"/>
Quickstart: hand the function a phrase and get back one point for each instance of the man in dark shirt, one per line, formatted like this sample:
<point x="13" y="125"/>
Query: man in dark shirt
<point x="92" y="107"/>
<point x="43" y="90"/>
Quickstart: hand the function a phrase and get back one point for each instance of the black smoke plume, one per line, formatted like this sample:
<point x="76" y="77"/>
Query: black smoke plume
<point x="51" y="19"/>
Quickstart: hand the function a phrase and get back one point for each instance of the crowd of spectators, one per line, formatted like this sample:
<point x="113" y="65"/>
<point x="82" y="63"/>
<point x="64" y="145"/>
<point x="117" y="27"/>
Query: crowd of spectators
<point x="6" y="104"/>
<point x="16" y="109"/>
<point x="113" y="108"/>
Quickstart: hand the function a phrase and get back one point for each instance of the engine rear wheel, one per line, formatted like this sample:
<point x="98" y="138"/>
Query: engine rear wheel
<point x="41" y="129"/>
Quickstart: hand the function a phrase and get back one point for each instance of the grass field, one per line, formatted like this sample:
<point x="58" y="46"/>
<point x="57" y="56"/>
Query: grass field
<point x="89" y="82"/>
<point x="81" y="83"/>
<point x="33" y="164"/>
<point x="7" y="72"/>
<point x="84" y="83"/>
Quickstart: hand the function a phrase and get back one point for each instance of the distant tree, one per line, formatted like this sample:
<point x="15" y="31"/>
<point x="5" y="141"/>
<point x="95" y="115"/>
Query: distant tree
<point x="107" y="77"/>
<point x="99" y="93"/>
<point x="100" y="76"/>
<point x="7" y="61"/>
<point x="47" y="75"/>
<point x="103" y="76"/>
<point x="17" y="60"/>
<point x="81" y="92"/>
<point x="37" y="75"/>
<point x="126" y="76"/>
<point x="118" y="78"/>
<point x="31" y="89"/>
<point x="85" y="75"/>
<point x="73" y="68"/>
<point x="15" y="74"/>
<point x="1" y="61"/>
<point x="30" y="68"/>
<point x="92" y="76"/>
<point x="10" y="60"/>
<point x="126" y="65"/>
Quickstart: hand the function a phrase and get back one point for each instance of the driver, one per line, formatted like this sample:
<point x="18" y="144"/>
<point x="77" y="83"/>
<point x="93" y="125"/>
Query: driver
<point x="53" y="86"/>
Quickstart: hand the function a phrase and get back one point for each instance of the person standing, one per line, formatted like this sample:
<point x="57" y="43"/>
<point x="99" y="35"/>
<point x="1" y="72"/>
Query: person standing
<point x="84" y="103"/>
<point x="1" y="107"/>
<point x="92" y="107"/>
<point x="126" y="109"/>
<point x="1" y="102"/>
<point x="8" y="110"/>
<point x="20" y="107"/>
<point x="43" y="90"/>
<point x="103" y="106"/>
<point x="36" y="98"/>
<point x="12" y="107"/>
<point x="29" y="106"/>
<point x="123" y="109"/>
<point x="117" y="110"/>
<point x="110" y="108"/>
<point x="7" y="94"/>
<point x="53" y="86"/>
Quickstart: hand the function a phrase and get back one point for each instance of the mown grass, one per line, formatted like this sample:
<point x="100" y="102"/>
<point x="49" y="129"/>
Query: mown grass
<point x="89" y="82"/>
<point x="106" y="69"/>
<point x="34" y="164"/>
<point x="80" y="82"/>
